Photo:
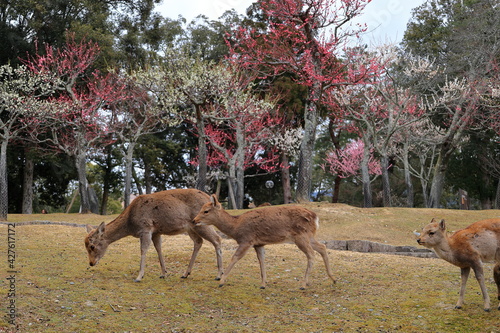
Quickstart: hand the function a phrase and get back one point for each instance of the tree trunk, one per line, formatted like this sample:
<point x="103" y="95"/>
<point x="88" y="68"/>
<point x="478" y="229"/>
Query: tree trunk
<point x="73" y="198"/>
<point x="437" y="185"/>
<point x="240" y="188"/>
<point x="485" y="196"/>
<point x="304" y="178"/>
<point x="201" y="180"/>
<point x="129" y="154"/>
<point x="81" y="168"/>
<point x="365" y="177"/>
<point x="148" y="181"/>
<point x="240" y="166"/>
<point x="285" y="179"/>
<point x="93" y="199"/>
<point x="386" y="185"/>
<point x="29" y="166"/>
<point x="105" y="198"/>
<point x="4" y="194"/>
<point x="497" y="196"/>
<point x="336" y="189"/>
<point x="230" y="189"/>
<point x="425" y="192"/>
<point x="137" y="181"/>
<point x="335" y="137"/>
<point x="410" y="198"/>
<point x="106" y="182"/>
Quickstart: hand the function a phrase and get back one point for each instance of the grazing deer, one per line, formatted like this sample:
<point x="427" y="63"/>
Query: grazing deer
<point x="467" y="248"/>
<point x="269" y="225"/>
<point x="148" y="217"/>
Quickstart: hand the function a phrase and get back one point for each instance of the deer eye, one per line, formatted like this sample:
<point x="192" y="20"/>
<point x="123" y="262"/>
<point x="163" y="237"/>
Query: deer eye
<point x="431" y="233"/>
<point x="206" y="212"/>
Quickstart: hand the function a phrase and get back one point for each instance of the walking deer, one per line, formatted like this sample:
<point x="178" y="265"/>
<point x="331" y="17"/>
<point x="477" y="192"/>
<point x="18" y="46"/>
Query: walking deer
<point x="269" y="225"/>
<point x="148" y="217"/>
<point x="467" y="248"/>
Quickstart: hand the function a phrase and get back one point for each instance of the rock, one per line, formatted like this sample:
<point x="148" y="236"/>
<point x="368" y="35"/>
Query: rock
<point x="374" y="247"/>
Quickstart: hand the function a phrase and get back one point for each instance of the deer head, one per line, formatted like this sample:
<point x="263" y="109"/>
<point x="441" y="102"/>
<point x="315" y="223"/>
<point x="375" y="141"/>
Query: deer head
<point x="95" y="243"/>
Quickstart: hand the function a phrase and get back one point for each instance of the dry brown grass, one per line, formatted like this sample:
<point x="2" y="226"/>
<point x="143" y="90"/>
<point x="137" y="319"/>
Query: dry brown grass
<point x="56" y="291"/>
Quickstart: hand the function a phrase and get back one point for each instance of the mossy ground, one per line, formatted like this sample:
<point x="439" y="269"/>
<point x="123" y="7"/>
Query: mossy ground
<point x="56" y="291"/>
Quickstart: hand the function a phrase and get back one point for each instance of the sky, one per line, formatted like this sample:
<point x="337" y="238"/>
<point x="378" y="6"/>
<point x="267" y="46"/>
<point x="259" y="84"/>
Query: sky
<point x="386" y="19"/>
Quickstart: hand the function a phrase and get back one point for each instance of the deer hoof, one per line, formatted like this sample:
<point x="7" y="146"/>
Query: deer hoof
<point x="162" y="276"/>
<point x="217" y="279"/>
<point x="262" y="287"/>
<point x="137" y="280"/>
<point x="221" y="285"/>
<point x="487" y="310"/>
<point x="458" y="307"/>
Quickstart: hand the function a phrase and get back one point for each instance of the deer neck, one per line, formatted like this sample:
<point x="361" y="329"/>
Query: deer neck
<point x="116" y="229"/>
<point x="444" y="249"/>
<point x="227" y="224"/>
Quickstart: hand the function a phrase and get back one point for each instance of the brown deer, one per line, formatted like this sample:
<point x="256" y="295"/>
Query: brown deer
<point x="467" y="248"/>
<point x="262" y="226"/>
<point x="148" y="217"/>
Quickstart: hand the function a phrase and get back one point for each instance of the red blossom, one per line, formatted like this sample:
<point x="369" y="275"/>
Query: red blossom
<point x="347" y="162"/>
<point x="78" y="117"/>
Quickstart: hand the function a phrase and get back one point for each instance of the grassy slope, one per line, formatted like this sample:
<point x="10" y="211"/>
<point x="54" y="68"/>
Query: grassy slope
<point x="57" y="291"/>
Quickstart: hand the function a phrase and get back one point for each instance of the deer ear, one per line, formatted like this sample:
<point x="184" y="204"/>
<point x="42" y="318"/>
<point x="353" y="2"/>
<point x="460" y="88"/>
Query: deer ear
<point x="215" y="202"/>
<point x="213" y="199"/>
<point x="100" y="229"/>
<point x="442" y="225"/>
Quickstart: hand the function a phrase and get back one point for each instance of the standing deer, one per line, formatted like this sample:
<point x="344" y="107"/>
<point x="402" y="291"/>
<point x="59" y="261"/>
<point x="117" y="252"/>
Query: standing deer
<point x="269" y="225"/>
<point x="148" y="217"/>
<point x="467" y="248"/>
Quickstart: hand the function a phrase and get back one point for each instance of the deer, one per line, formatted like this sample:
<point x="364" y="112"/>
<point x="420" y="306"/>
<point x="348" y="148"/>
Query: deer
<point x="148" y="217"/>
<point x="263" y="226"/>
<point x="467" y="248"/>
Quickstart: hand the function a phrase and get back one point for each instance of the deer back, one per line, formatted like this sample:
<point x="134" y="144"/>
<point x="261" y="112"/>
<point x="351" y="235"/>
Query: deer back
<point x="481" y="238"/>
<point x="276" y="224"/>
<point x="167" y="212"/>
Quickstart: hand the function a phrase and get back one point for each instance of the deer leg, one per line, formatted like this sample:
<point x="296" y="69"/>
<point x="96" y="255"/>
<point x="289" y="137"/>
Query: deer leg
<point x="464" y="274"/>
<point x="198" y="242"/>
<point x="145" y="242"/>
<point x="305" y="246"/>
<point x="157" y="243"/>
<point x="496" y="276"/>
<point x="321" y="249"/>
<point x="210" y="235"/>
<point x="240" y="253"/>
<point x="478" y="271"/>
<point x="260" y="255"/>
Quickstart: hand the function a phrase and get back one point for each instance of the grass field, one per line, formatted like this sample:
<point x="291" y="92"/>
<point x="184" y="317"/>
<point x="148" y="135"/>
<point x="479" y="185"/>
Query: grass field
<point x="56" y="291"/>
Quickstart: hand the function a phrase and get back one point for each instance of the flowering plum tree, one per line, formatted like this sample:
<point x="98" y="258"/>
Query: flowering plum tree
<point x="19" y="110"/>
<point x="378" y="110"/>
<point x="419" y="141"/>
<point x="239" y="126"/>
<point x="77" y="120"/>
<point x="303" y="38"/>
<point x="287" y="142"/>
<point x="141" y="112"/>
<point x="186" y="83"/>
<point x="347" y="162"/>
